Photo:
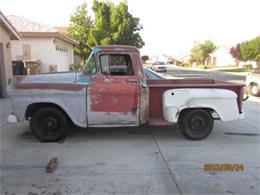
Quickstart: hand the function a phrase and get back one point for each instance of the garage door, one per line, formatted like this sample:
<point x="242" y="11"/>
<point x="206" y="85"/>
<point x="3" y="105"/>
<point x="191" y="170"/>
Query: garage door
<point x="62" y="61"/>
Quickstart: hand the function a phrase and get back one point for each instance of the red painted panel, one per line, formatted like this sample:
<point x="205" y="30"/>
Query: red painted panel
<point x="113" y="94"/>
<point x="160" y="122"/>
<point x="48" y="86"/>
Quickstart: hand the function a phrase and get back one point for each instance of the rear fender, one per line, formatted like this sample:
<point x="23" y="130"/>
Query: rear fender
<point x="221" y="102"/>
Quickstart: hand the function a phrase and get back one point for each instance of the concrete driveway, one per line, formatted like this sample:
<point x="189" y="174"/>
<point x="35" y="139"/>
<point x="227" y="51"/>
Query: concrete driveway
<point x="132" y="160"/>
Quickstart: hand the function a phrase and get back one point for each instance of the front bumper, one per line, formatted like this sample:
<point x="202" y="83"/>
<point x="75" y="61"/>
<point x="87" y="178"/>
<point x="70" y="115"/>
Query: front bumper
<point x="160" y="69"/>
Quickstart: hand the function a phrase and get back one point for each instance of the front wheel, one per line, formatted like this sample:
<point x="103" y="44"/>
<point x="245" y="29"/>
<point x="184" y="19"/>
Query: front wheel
<point x="48" y="124"/>
<point x="195" y="124"/>
<point x="255" y="89"/>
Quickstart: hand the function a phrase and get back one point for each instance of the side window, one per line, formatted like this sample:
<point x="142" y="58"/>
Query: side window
<point x="116" y="64"/>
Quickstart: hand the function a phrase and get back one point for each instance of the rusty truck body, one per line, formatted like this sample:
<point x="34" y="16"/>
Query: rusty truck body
<point x="113" y="91"/>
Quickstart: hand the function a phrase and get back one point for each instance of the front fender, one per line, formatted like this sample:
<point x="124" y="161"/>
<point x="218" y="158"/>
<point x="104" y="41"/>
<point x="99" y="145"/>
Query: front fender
<point x="73" y="103"/>
<point x="222" y="102"/>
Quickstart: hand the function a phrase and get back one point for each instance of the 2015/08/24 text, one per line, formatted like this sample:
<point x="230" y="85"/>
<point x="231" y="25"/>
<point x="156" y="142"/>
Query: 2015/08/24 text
<point x="223" y="167"/>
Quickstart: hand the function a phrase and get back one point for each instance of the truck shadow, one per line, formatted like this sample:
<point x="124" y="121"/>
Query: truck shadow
<point x="75" y="134"/>
<point x="123" y="133"/>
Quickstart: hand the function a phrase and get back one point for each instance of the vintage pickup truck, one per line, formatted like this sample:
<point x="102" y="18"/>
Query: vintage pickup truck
<point x="113" y="91"/>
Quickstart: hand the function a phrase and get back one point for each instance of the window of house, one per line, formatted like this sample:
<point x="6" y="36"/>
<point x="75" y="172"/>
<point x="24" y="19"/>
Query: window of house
<point x="26" y="51"/>
<point x="61" y="47"/>
<point x="116" y="64"/>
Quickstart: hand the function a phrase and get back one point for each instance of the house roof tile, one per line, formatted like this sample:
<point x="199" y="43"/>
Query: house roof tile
<point x="30" y="28"/>
<point x="28" y="25"/>
<point x="6" y="24"/>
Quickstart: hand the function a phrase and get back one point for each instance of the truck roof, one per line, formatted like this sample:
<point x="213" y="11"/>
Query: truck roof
<point x="115" y="48"/>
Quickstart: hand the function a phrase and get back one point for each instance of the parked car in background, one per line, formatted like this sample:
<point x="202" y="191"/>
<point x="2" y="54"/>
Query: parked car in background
<point x="159" y="67"/>
<point x="253" y="82"/>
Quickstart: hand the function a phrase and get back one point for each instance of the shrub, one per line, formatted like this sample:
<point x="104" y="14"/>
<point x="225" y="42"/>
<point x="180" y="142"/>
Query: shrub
<point x="75" y="67"/>
<point x="248" y="66"/>
<point x="185" y="65"/>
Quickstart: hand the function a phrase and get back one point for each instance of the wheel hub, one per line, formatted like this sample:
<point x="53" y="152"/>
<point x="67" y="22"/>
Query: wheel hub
<point x="254" y="89"/>
<point x="197" y="123"/>
<point x="50" y="123"/>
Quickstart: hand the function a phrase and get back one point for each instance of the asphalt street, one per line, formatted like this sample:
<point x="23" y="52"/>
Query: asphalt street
<point x="207" y="74"/>
<point x="133" y="160"/>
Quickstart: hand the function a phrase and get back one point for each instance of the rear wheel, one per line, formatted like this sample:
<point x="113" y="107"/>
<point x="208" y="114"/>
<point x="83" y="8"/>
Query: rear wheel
<point x="195" y="124"/>
<point x="255" y="89"/>
<point x="48" y="124"/>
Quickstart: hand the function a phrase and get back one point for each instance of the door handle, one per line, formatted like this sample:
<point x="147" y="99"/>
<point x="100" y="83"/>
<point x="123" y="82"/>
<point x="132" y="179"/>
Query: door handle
<point x="132" y="81"/>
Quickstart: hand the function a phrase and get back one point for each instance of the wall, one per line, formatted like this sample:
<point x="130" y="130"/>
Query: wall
<point x="44" y="49"/>
<point x="223" y="58"/>
<point x="5" y="38"/>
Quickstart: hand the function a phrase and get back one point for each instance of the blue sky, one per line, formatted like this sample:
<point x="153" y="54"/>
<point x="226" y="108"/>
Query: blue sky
<point x="170" y="26"/>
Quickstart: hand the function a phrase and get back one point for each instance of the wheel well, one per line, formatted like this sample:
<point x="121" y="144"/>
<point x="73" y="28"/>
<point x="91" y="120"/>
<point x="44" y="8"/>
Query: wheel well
<point x="213" y="113"/>
<point x="32" y="108"/>
<point x="253" y="83"/>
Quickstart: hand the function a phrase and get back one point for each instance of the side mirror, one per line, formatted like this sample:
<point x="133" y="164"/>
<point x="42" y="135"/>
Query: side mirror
<point x="144" y="85"/>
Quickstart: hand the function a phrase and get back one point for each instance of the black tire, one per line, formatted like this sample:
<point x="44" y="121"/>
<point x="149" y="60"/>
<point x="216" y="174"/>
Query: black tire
<point x="195" y="124"/>
<point x="48" y="124"/>
<point x="255" y="90"/>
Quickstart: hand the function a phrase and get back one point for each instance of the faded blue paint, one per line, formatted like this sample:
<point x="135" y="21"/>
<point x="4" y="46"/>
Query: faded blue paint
<point x="119" y="49"/>
<point x="83" y="79"/>
<point x="96" y="50"/>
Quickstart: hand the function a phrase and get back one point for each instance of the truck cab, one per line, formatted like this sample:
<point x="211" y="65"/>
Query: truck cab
<point x="117" y="93"/>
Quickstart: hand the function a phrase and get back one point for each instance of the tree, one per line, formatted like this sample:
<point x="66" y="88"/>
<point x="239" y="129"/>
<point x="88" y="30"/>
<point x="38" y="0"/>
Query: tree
<point x="79" y="29"/>
<point x="235" y="51"/>
<point x="200" y="51"/>
<point x="115" y="25"/>
<point x="250" y="50"/>
<point x="196" y="53"/>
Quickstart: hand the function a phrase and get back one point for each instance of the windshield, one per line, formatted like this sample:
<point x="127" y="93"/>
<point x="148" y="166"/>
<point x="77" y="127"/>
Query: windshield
<point x="90" y="66"/>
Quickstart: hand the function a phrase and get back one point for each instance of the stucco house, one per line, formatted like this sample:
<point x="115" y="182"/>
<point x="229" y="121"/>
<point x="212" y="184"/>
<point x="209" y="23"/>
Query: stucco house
<point x="7" y="33"/>
<point x="221" y="57"/>
<point x="41" y="42"/>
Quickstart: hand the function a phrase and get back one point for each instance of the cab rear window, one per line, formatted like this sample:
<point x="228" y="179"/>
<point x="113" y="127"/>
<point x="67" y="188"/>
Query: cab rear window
<point x="116" y="64"/>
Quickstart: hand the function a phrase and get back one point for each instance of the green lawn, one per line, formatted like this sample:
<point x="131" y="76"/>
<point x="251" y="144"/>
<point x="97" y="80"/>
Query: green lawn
<point x="236" y="70"/>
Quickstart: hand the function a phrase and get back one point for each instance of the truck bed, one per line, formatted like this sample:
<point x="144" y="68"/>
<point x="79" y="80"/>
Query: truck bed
<point x="158" y="86"/>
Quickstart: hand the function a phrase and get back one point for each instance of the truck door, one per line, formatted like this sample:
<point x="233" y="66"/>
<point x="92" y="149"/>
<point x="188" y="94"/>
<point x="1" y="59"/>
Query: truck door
<point x="113" y="93"/>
